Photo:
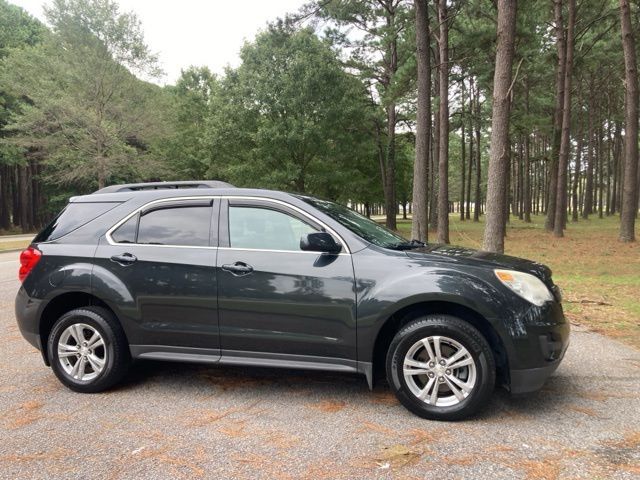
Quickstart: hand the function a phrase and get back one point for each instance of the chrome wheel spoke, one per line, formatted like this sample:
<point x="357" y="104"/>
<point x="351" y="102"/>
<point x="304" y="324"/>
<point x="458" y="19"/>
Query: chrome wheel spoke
<point x="436" y="347"/>
<point x="454" y="389"/>
<point x="414" y="367"/>
<point x="95" y="341"/>
<point x="75" y="371"/>
<point x="425" y="391"/>
<point x="65" y="350"/>
<point x="77" y="333"/>
<point x="462" y="363"/>
<point x="96" y="363"/>
<point x="433" y="398"/>
<point x="66" y="354"/>
<point x="429" y="350"/>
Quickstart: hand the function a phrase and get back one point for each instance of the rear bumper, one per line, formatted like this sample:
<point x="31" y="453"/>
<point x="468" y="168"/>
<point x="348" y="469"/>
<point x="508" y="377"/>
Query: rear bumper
<point x="27" y="310"/>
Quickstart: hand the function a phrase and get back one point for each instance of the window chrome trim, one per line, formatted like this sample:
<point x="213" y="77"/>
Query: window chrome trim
<point x="110" y="240"/>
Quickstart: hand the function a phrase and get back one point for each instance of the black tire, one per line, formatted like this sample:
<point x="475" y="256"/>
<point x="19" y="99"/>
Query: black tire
<point x="463" y="333"/>
<point x="116" y="349"/>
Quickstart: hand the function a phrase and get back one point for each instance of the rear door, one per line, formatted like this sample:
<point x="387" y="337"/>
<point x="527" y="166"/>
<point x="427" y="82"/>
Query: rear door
<point x="275" y="300"/>
<point x="161" y="266"/>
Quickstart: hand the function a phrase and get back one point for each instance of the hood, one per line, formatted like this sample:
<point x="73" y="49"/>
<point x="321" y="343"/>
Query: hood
<point x="469" y="256"/>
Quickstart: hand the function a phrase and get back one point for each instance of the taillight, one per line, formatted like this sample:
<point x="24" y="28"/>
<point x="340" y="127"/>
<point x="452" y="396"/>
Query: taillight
<point x="28" y="259"/>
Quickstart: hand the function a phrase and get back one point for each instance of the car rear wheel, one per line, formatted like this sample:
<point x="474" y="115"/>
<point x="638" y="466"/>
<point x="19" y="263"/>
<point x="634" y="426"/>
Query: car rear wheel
<point x="441" y="367"/>
<point x="87" y="350"/>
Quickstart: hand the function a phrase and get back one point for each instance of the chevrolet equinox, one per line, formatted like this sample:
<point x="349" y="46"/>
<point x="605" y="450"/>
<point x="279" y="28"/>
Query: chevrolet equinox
<point x="205" y="272"/>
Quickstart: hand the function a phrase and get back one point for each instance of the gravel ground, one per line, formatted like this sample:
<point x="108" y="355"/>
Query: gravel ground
<point x="190" y="421"/>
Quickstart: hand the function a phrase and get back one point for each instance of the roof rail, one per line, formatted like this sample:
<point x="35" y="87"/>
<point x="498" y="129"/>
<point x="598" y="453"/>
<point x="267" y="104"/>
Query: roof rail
<point x="135" y="187"/>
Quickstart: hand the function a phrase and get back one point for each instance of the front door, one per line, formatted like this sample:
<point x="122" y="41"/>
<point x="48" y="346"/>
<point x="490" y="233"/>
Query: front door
<point x="275" y="300"/>
<point x="161" y="263"/>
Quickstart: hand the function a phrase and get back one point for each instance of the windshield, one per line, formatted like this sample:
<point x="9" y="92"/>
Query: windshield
<point x="362" y="226"/>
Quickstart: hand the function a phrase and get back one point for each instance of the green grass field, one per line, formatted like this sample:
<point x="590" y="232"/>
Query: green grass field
<point x="599" y="276"/>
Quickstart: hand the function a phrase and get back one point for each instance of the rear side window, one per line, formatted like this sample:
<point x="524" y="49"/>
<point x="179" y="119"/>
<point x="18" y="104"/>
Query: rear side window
<point x="73" y="216"/>
<point x="188" y="226"/>
<point x="126" y="233"/>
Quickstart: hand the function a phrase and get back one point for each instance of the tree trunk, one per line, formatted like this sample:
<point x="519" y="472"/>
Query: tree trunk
<point x="5" y="198"/>
<point x="526" y="186"/>
<point x="23" y="186"/>
<point x="499" y="151"/>
<point x="588" y="189"/>
<point x="576" y="175"/>
<point x="478" y="193"/>
<point x="565" y="141"/>
<point x="463" y="159"/>
<point x="600" y="172"/>
<point x="630" y="187"/>
<point x="390" y="197"/>
<point x="557" y="115"/>
<point x="420" y="224"/>
<point x="443" y="156"/>
<point x="471" y="157"/>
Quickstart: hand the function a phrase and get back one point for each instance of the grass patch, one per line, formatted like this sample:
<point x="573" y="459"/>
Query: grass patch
<point x="14" y="244"/>
<point x="599" y="276"/>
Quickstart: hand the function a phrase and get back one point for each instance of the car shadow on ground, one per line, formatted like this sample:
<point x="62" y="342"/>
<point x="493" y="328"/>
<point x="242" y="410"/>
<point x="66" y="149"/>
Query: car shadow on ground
<point x="352" y="389"/>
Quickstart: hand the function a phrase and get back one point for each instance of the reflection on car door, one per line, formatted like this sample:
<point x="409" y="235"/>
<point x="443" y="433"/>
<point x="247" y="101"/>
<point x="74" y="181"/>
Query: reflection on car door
<point x="276" y="301"/>
<point x="163" y="259"/>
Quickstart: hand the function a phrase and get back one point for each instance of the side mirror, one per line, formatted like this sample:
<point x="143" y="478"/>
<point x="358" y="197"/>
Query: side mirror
<point x="319" y="242"/>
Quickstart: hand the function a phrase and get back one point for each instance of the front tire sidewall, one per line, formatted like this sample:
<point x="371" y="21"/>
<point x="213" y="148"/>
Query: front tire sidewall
<point x="93" y="319"/>
<point x="457" y="330"/>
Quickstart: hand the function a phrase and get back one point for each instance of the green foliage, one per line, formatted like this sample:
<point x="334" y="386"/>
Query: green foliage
<point x="86" y="112"/>
<point x="289" y="117"/>
<point x="185" y="148"/>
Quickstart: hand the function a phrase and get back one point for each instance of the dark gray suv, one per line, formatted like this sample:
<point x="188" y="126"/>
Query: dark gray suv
<point x="204" y="272"/>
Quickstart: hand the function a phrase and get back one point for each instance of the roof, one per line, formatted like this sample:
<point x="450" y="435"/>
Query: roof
<point x="146" y="192"/>
<point x="134" y="187"/>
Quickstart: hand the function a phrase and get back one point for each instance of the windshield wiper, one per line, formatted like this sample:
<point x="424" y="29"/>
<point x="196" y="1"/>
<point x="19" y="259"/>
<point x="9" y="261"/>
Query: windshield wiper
<point x="406" y="245"/>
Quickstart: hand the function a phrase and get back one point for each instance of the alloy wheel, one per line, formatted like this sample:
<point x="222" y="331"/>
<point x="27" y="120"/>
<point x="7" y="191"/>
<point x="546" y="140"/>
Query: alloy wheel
<point x="81" y="352"/>
<point x="439" y="371"/>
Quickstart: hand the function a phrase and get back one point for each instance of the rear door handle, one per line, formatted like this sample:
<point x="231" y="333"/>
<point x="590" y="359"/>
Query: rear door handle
<point x="124" y="259"/>
<point x="238" y="268"/>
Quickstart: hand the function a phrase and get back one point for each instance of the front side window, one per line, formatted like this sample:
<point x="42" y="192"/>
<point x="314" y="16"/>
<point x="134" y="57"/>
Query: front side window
<point x="264" y="228"/>
<point x="181" y="226"/>
<point x="364" y="227"/>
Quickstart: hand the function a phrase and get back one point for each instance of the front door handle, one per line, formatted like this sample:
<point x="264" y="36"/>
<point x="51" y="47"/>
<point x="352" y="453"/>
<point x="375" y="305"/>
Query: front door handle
<point x="238" y="268"/>
<point x="124" y="259"/>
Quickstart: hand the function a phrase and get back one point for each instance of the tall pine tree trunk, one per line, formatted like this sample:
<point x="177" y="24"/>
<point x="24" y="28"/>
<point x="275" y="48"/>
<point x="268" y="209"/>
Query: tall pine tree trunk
<point x="443" y="156"/>
<point x="557" y="115"/>
<point x="630" y="185"/>
<point x="420" y="224"/>
<point x="499" y="152"/>
<point x="478" y="192"/>
<point x="565" y="141"/>
<point x="463" y="158"/>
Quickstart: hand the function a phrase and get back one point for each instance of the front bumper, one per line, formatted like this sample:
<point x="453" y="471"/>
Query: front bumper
<point x="531" y="379"/>
<point x="540" y="351"/>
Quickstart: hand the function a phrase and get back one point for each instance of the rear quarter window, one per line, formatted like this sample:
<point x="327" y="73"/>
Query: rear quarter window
<point x="72" y="217"/>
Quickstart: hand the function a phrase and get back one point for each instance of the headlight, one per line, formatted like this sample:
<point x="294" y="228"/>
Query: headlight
<point x="528" y="286"/>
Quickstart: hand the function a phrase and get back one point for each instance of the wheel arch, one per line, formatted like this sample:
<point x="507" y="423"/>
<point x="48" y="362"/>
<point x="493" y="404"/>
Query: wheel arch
<point x="405" y="314"/>
<point x="61" y="304"/>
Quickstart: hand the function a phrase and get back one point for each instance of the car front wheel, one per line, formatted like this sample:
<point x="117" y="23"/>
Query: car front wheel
<point x="441" y="367"/>
<point x="87" y="350"/>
